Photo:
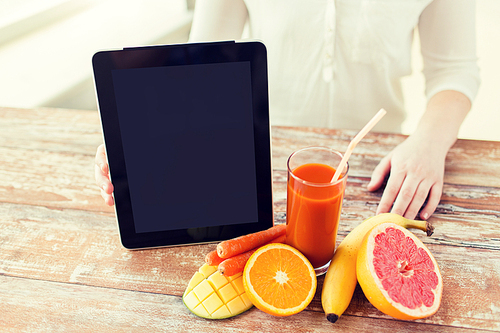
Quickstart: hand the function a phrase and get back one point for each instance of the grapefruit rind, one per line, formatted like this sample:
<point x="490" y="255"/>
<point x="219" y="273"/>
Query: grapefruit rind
<point x="258" y="301"/>
<point x="373" y="288"/>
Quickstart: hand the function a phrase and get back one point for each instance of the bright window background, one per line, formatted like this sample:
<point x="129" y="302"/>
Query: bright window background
<point x="46" y="48"/>
<point x="483" y="121"/>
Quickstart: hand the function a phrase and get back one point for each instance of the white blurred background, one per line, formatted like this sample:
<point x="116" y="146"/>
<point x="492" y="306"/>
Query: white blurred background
<point x="46" y="48"/>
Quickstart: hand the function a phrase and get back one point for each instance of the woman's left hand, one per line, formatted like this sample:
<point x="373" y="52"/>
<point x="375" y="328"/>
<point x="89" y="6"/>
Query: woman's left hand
<point x="416" y="171"/>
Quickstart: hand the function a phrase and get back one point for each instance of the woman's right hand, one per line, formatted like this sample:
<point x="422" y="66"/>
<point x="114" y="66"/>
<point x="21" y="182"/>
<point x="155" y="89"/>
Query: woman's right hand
<point x="102" y="176"/>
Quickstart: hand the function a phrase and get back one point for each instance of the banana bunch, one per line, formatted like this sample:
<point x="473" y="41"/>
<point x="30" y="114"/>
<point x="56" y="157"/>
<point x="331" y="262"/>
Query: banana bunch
<point x="340" y="280"/>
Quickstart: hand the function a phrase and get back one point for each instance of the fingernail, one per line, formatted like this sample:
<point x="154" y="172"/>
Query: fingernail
<point x="425" y="216"/>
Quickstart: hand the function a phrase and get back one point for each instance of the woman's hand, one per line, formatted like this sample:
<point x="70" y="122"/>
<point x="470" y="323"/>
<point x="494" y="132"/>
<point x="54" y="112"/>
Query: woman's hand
<point x="102" y="176"/>
<point x="416" y="166"/>
<point x="416" y="173"/>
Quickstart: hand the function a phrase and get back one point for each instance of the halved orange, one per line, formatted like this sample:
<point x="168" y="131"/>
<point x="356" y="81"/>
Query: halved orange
<point x="398" y="273"/>
<point x="279" y="280"/>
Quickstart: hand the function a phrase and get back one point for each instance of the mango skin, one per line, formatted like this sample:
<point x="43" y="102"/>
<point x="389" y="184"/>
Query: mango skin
<point x="211" y="295"/>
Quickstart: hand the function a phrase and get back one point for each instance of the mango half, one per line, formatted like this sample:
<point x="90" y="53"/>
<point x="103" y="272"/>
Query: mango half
<point x="211" y="295"/>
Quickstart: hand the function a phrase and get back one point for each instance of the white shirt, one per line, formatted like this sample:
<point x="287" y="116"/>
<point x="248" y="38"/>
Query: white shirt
<point x="336" y="63"/>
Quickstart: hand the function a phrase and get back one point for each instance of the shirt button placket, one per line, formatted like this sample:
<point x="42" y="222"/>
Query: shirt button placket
<point x="329" y="42"/>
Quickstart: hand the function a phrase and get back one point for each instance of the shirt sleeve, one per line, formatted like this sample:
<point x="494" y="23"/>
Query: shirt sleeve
<point x="447" y="31"/>
<point x="218" y="20"/>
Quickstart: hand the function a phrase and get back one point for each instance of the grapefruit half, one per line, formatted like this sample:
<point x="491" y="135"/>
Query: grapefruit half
<point x="398" y="274"/>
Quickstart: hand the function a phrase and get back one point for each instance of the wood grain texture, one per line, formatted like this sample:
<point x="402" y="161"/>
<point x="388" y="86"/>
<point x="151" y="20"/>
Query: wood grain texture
<point x="47" y="129"/>
<point x="62" y="267"/>
<point x="469" y="162"/>
<point x="82" y="247"/>
<point x="80" y="308"/>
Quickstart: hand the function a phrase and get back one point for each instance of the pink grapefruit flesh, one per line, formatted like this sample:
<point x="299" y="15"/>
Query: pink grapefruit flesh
<point x="398" y="274"/>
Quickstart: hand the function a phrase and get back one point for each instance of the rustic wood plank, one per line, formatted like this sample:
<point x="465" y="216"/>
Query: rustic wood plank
<point x="454" y="198"/>
<point x="28" y="230"/>
<point x="467" y="215"/>
<point x="49" y="178"/>
<point x="41" y="306"/>
<point x="469" y="162"/>
<point x="61" y="179"/>
<point x="70" y="131"/>
<point x="47" y="158"/>
<point x="82" y="247"/>
<point x="79" y="131"/>
<point x="60" y="254"/>
<point x="38" y="147"/>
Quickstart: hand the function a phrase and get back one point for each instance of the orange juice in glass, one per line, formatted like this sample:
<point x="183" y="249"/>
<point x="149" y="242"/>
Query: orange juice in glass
<point x="314" y="203"/>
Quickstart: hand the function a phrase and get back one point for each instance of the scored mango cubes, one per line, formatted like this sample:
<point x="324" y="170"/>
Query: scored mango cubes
<point x="211" y="295"/>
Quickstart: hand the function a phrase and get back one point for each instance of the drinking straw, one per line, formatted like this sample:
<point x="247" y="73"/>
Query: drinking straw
<point x="355" y="141"/>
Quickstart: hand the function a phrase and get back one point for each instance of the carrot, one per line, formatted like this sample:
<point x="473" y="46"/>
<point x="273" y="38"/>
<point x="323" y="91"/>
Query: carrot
<point x="212" y="259"/>
<point x="236" y="264"/>
<point x="235" y="246"/>
<point x="279" y="239"/>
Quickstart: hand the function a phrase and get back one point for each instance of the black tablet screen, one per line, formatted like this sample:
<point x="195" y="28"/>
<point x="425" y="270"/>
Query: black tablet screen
<point x="188" y="143"/>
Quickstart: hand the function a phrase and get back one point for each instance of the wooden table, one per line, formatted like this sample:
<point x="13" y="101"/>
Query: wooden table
<point x="62" y="268"/>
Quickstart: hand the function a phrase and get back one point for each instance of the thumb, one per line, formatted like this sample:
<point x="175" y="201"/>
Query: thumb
<point x="379" y="174"/>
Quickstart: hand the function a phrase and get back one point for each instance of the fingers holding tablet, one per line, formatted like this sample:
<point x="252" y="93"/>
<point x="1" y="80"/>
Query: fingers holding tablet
<point x="102" y="176"/>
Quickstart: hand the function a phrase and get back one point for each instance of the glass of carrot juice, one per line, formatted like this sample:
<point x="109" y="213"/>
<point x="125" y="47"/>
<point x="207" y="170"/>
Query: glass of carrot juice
<point x="314" y="203"/>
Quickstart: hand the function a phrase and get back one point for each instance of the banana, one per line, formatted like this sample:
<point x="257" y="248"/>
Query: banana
<point x="340" y="280"/>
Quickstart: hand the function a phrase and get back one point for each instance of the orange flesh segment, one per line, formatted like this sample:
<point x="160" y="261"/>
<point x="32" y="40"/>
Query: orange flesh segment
<point x="406" y="271"/>
<point x="284" y="286"/>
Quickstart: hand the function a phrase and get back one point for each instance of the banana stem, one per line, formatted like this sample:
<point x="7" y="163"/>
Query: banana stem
<point x="422" y="225"/>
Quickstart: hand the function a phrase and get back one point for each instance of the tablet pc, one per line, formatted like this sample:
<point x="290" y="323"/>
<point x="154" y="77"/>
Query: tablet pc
<point x="187" y="136"/>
